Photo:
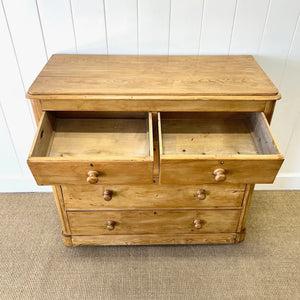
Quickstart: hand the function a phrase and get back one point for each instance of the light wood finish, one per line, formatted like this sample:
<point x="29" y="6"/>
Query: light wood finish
<point x="100" y="137"/>
<point x="65" y="151"/>
<point x="93" y="177"/>
<point x="153" y="222"/>
<point x="141" y="98"/>
<point x="37" y="109"/>
<point x="192" y="150"/>
<point x="269" y="109"/>
<point x="201" y="194"/>
<point x="125" y="197"/>
<point x="217" y="134"/>
<point x="173" y="104"/>
<point x="240" y="236"/>
<point x="152" y="75"/>
<point x="246" y="204"/>
<point x="67" y="171"/>
<point x="155" y="148"/>
<point x="107" y="195"/>
<point x="59" y="201"/>
<point x="195" y="170"/>
<point x="198" y="223"/>
<point x="101" y="144"/>
<point x="110" y="225"/>
<point x="67" y="239"/>
<point x="219" y="175"/>
<point x="154" y="239"/>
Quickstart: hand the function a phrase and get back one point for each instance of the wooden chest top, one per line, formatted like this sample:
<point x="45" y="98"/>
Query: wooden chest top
<point x="166" y="77"/>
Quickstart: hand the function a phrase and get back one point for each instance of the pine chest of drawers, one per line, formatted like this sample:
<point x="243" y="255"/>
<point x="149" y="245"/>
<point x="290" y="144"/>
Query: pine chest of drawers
<point x="153" y="149"/>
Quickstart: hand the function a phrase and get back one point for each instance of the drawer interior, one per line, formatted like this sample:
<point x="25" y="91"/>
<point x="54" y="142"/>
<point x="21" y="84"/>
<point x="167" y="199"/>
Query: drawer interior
<point x="217" y="134"/>
<point x="91" y="135"/>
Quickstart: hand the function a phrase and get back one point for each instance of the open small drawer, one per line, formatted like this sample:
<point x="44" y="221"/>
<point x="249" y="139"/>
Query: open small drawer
<point x="109" y="148"/>
<point x="217" y="147"/>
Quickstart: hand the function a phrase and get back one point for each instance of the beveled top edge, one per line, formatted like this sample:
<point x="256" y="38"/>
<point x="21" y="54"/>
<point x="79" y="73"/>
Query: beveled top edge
<point x="152" y="77"/>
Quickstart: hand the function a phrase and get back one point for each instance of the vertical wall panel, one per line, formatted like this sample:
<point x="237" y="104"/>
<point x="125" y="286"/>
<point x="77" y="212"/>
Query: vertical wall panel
<point x="277" y="37"/>
<point x="286" y="122"/>
<point x="8" y="159"/>
<point x="275" y="47"/>
<point x="185" y="27"/>
<point x="248" y="26"/>
<point x="265" y="28"/>
<point x="27" y="36"/>
<point x="292" y="162"/>
<point x="218" y="18"/>
<point x="154" y="25"/>
<point x="56" y="19"/>
<point x="13" y="101"/>
<point x="121" y="22"/>
<point x="89" y="24"/>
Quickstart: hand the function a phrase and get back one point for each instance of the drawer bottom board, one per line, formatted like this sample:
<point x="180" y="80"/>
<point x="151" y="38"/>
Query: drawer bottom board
<point x="153" y="222"/>
<point x="155" y="239"/>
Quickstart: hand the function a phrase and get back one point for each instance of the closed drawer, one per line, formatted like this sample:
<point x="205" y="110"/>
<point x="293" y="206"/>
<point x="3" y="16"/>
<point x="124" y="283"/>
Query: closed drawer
<point x="151" y="222"/>
<point x="118" y="197"/>
<point x="101" y="150"/>
<point x="217" y="147"/>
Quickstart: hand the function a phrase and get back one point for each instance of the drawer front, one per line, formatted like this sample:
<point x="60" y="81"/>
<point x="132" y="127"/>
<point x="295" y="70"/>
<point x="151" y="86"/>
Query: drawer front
<point x="118" y="197"/>
<point x="196" y="170"/>
<point x="75" y="172"/>
<point x="153" y="221"/>
<point x="214" y="148"/>
<point x="92" y="150"/>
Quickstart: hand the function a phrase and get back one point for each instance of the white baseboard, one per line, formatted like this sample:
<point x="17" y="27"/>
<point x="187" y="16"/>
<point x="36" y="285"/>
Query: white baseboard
<point x="284" y="181"/>
<point x="289" y="181"/>
<point x="21" y="185"/>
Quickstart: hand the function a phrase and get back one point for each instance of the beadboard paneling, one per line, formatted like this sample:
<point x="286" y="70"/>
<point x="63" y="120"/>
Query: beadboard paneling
<point x="249" y="24"/>
<point x="27" y="37"/>
<point x="274" y="56"/>
<point x="217" y="24"/>
<point x="16" y="109"/>
<point x="57" y="26"/>
<point x="89" y="26"/>
<point x="8" y="158"/>
<point x="32" y="30"/>
<point x="121" y="23"/>
<point x="185" y="27"/>
<point x="154" y="26"/>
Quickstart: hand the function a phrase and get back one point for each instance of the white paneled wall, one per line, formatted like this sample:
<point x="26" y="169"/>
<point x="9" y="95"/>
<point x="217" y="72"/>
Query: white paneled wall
<point x="32" y="30"/>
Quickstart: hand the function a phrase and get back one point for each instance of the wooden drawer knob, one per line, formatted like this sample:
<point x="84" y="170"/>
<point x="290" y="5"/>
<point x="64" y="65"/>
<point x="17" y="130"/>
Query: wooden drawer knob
<point x="107" y="195"/>
<point x="201" y="194"/>
<point x="110" y="225"/>
<point x="92" y="177"/>
<point x="197" y="223"/>
<point x="219" y="174"/>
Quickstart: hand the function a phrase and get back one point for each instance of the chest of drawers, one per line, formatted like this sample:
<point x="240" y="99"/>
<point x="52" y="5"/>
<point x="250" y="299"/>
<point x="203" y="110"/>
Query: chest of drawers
<point x="153" y="149"/>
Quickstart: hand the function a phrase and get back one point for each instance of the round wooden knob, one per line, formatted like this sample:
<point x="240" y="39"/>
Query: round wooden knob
<point x="92" y="177"/>
<point x="197" y="223"/>
<point x="107" y="195"/>
<point x="201" y="194"/>
<point x="110" y="225"/>
<point x="219" y="174"/>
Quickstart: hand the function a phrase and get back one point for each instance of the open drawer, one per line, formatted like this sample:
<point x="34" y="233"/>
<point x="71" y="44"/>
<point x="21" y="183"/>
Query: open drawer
<point x="217" y="147"/>
<point x="110" y="148"/>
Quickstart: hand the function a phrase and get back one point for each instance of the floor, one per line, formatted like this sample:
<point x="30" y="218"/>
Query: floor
<point x="34" y="263"/>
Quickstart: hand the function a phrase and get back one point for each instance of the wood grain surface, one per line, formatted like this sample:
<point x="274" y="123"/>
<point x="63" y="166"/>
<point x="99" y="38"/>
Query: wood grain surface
<point x="121" y="150"/>
<point x="152" y="75"/>
<point x="85" y="197"/>
<point x="154" y="239"/>
<point x="192" y="149"/>
<point x="153" y="221"/>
